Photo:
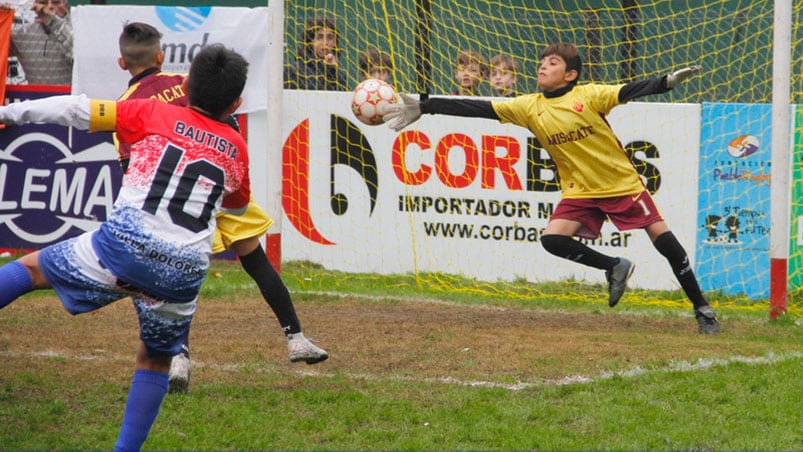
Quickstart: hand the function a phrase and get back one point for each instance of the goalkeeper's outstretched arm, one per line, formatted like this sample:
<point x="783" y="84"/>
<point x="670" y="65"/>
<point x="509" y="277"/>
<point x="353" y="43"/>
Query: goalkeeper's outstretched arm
<point x="402" y="114"/>
<point x="634" y="90"/>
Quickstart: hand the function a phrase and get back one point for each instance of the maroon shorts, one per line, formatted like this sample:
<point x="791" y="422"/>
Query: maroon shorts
<point x="626" y="212"/>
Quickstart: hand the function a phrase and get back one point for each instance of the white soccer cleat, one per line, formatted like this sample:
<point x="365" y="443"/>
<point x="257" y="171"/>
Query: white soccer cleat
<point x="179" y="377"/>
<point x="302" y="349"/>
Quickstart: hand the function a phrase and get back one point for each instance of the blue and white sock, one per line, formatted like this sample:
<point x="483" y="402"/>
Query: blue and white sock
<point x="148" y="389"/>
<point x="15" y="281"/>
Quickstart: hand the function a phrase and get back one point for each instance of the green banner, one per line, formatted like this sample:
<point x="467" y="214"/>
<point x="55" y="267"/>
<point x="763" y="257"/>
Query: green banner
<point x="796" y="212"/>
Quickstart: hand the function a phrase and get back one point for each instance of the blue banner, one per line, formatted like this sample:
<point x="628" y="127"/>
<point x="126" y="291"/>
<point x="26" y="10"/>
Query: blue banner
<point x="55" y="182"/>
<point x="734" y="199"/>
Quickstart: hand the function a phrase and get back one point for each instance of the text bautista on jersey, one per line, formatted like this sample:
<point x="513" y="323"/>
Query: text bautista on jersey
<point x="206" y="138"/>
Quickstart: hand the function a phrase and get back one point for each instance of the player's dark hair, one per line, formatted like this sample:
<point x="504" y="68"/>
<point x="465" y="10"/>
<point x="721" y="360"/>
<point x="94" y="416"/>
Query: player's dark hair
<point x="139" y="44"/>
<point x="570" y="55"/>
<point x="217" y="79"/>
<point x="311" y="28"/>
<point x="374" y="58"/>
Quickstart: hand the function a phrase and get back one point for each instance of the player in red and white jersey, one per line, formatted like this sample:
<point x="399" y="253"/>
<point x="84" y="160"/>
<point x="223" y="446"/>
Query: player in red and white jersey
<point x="186" y="165"/>
<point x="597" y="179"/>
<point x="181" y="159"/>
<point x="142" y="56"/>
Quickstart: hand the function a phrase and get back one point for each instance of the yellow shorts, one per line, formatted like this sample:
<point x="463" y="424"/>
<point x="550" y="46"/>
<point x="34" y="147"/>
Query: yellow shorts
<point x="231" y="228"/>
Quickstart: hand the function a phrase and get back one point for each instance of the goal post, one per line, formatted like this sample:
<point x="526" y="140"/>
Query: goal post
<point x="273" y="126"/>
<point x="781" y="171"/>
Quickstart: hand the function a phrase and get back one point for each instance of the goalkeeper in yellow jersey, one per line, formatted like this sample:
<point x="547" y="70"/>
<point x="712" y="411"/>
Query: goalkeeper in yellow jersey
<point x="597" y="178"/>
<point x="141" y="56"/>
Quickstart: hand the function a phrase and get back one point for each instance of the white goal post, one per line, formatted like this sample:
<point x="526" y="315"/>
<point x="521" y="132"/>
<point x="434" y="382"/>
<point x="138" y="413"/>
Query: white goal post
<point x="273" y="170"/>
<point x="781" y="145"/>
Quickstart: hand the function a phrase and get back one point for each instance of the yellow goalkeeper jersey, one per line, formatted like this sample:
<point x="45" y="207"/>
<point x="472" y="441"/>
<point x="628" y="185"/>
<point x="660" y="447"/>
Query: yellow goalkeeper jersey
<point x="590" y="159"/>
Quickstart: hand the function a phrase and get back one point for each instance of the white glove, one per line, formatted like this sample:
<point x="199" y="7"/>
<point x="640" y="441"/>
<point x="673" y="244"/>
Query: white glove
<point x="681" y="74"/>
<point x="402" y="114"/>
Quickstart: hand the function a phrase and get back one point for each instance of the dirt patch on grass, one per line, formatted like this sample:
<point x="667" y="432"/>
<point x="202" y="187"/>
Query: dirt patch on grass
<point x="411" y="339"/>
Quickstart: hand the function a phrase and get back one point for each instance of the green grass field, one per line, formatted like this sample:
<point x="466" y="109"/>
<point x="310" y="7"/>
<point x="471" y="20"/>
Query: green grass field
<point x="415" y="367"/>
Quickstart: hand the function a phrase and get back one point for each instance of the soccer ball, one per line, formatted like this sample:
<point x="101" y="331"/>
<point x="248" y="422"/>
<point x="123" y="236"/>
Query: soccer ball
<point x="371" y="99"/>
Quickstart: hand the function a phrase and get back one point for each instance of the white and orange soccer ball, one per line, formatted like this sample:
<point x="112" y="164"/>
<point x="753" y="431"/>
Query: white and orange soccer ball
<point x="371" y="99"/>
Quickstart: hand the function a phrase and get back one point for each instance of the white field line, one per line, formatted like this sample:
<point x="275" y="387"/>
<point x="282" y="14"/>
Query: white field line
<point x="435" y="301"/>
<point x="675" y="366"/>
<point x="651" y="313"/>
<point x="366" y="297"/>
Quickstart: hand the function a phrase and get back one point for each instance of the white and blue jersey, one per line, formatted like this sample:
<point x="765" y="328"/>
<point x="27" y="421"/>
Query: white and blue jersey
<point x="156" y="243"/>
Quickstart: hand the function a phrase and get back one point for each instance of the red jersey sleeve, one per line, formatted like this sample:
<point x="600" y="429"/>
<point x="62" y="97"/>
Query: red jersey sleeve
<point x="242" y="196"/>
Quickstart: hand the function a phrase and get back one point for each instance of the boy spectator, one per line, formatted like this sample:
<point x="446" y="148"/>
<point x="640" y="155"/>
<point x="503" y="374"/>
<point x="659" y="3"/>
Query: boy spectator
<point x="316" y="66"/>
<point x="504" y="72"/>
<point x="470" y="70"/>
<point x="375" y="64"/>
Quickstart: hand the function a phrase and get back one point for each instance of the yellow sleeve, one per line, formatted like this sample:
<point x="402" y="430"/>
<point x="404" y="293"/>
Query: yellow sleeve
<point x="517" y="110"/>
<point x="102" y="115"/>
<point x="605" y="96"/>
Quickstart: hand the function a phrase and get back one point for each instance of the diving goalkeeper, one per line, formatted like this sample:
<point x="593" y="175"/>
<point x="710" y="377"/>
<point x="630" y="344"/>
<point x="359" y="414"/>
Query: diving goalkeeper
<point x="597" y="178"/>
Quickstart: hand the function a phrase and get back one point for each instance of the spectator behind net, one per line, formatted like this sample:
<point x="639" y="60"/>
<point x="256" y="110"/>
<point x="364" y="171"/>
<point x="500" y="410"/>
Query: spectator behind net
<point x="316" y="66"/>
<point x="503" y="75"/>
<point x="470" y="70"/>
<point x="375" y="64"/>
<point x="45" y="46"/>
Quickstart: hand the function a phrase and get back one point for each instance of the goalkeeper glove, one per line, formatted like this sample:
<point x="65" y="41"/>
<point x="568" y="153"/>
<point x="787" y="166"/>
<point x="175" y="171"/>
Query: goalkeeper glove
<point x="678" y="76"/>
<point x="402" y="114"/>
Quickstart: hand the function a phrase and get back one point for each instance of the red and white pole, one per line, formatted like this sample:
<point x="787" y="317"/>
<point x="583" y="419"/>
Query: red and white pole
<point x="275" y="85"/>
<point x="781" y="150"/>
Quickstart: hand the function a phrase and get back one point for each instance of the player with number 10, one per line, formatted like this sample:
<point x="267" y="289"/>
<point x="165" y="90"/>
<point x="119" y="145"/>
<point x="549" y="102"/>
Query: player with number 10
<point x="155" y="245"/>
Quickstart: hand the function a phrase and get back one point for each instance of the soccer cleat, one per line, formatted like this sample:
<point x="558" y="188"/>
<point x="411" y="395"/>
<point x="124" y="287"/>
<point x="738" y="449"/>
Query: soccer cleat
<point x="302" y="349"/>
<point x="706" y="320"/>
<point x="617" y="280"/>
<point x="179" y="377"/>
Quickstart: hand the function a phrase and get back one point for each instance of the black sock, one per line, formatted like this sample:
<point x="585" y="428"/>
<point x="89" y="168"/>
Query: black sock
<point x="569" y="248"/>
<point x="273" y="289"/>
<point x="669" y="246"/>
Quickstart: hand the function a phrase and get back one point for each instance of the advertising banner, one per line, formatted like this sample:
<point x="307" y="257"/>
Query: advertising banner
<point x="734" y="205"/>
<point x="185" y="31"/>
<point x="55" y="182"/>
<point x="463" y="196"/>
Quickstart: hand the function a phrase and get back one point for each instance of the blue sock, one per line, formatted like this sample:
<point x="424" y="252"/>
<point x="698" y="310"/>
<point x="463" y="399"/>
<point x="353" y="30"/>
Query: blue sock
<point x="15" y="281"/>
<point x="148" y="389"/>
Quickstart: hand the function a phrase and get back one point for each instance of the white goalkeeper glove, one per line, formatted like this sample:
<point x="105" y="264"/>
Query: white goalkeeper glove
<point x="402" y="114"/>
<point x="672" y="79"/>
